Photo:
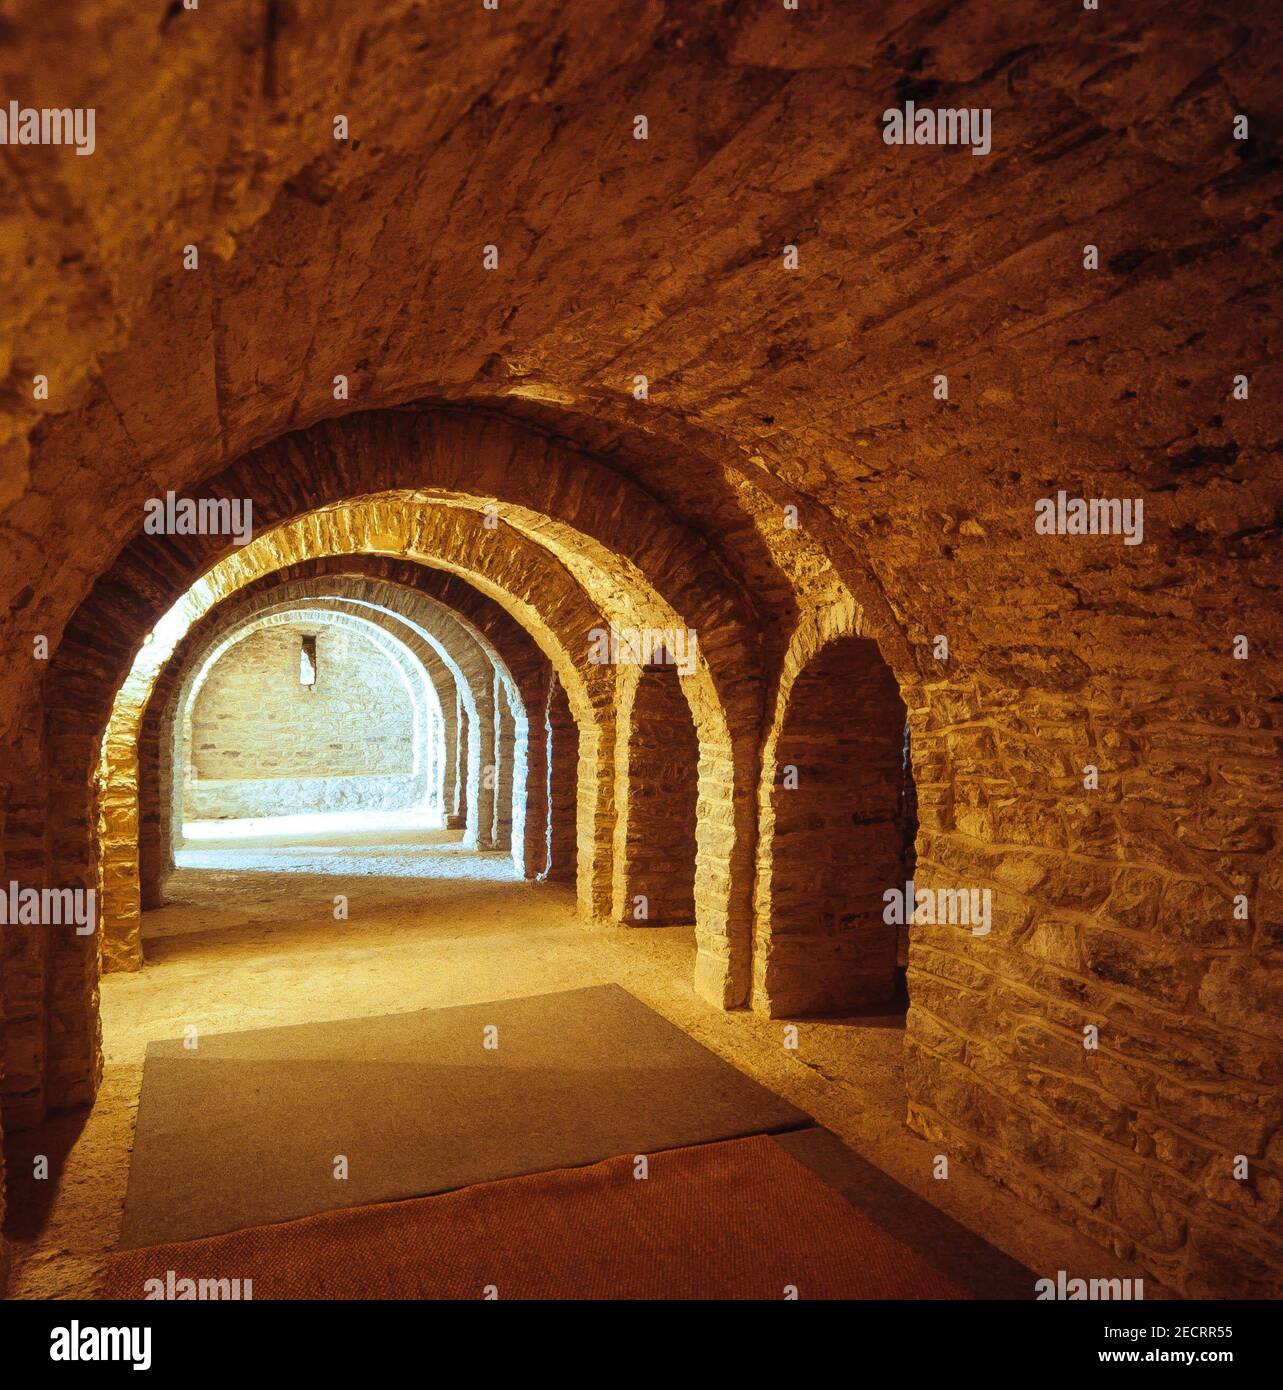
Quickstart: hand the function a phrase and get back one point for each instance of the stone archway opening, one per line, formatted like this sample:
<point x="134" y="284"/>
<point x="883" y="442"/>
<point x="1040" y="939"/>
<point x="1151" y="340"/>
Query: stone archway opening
<point x="657" y="772"/>
<point x="842" y="821"/>
<point x="557" y="586"/>
<point x="382" y="823"/>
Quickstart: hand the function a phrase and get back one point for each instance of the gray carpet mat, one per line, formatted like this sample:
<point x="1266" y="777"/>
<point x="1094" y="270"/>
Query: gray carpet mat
<point x="247" y="1129"/>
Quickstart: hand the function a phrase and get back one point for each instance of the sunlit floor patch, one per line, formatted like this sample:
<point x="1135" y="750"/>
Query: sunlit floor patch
<point x="312" y="823"/>
<point x="365" y="844"/>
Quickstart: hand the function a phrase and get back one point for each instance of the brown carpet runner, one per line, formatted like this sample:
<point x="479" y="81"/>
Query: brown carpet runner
<point x="739" y="1219"/>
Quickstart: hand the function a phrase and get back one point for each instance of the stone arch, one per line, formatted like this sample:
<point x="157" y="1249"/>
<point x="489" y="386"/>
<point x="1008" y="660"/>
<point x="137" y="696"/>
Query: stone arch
<point x="631" y="552"/>
<point x="494" y="626"/>
<point x="136" y="808"/>
<point x="72" y="1060"/>
<point x="832" y="837"/>
<point x="656" y="776"/>
<point x="433" y="632"/>
<point x="592" y="524"/>
<point x="440" y="676"/>
<point x="358" y="578"/>
<point x="159" y="734"/>
<point x="453" y="660"/>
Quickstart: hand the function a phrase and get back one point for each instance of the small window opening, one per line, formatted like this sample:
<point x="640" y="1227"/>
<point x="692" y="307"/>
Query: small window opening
<point x="307" y="662"/>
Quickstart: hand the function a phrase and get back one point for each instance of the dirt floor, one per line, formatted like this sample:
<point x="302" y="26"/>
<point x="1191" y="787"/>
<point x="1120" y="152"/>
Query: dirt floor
<point x="244" y="948"/>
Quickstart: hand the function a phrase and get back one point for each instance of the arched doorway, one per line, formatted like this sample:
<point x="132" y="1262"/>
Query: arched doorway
<point x="657" y="776"/>
<point x="839" y="837"/>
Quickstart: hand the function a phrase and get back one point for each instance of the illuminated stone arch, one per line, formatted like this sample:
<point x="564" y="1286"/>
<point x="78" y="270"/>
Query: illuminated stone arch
<point x="833" y="831"/>
<point x="456" y="662"/>
<point x="129" y="821"/>
<point x="404" y="656"/>
<point x="464" y="660"/>
<point x="502" y="642"/>
<point x="633" y="555"/>
<point x="130" y="873"/>
<point x="639" y="563"/>
<point x="137" y="696"/>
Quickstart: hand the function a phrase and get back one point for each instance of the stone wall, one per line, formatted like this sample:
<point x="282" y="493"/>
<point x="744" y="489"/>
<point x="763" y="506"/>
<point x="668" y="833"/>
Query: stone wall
<point x="258" y="797"/>
<point x="345" y="743"/>
<point x="1111" y="1050"/>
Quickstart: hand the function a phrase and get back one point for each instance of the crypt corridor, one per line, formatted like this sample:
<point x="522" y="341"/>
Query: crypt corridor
<point x="643" y="589"/>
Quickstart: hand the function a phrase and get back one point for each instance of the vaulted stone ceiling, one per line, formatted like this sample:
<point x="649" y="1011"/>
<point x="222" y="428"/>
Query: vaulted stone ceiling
<point x="664" y="257"/>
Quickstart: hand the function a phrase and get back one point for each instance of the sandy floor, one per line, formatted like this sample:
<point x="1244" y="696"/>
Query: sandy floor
<point x="240" y="949"/>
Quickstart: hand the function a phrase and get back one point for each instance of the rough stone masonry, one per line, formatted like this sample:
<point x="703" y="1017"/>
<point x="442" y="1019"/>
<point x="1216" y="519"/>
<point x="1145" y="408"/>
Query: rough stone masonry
<point x="416" y="282"/>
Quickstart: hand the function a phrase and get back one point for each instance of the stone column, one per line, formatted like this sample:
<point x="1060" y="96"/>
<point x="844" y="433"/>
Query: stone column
<point x="457" y="806"/>
<point x="562" y="794"/>
<point x="504" y="750"/>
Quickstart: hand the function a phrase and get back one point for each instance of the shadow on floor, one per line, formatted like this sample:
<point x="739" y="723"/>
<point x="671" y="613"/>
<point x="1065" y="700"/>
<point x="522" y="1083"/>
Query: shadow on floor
<point x="29" y="1199"/>
<point x="970" y="1261"/>
<point x="889" y="1014"/>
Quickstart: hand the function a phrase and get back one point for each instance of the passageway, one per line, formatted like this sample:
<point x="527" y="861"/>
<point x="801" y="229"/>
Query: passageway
<point x="539" y="596"/>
